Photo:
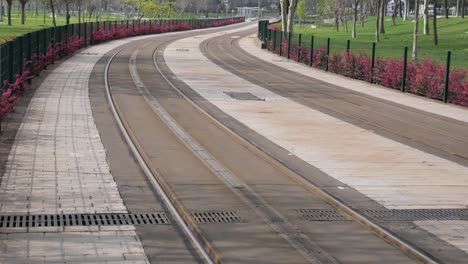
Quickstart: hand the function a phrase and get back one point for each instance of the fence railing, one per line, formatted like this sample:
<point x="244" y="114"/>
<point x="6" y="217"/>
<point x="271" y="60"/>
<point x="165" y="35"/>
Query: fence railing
<point x="26" y="56"/>
<point x="425" y="77"/>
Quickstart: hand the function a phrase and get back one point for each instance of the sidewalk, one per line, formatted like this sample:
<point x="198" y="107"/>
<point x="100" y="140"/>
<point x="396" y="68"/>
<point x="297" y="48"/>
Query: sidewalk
<point x="57" y="165"/>
<point x="393" y="174"/>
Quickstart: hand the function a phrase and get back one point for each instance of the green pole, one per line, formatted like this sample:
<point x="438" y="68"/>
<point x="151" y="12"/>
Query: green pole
<point x="274" y="40"/>
<point x="447" y="77"/>
<point x="44" y="31"/>
<point x="348" y="44"/>
<point x="405" y="64"/>
<point x="11" y="52"/>
<point x="289" y="44"/>
<point x="85" y="31"/>
<point x="281" y="44"/>
<point x="91" y="40"/>
<point x="328" y="53"/>
<point x="20" y="54"/>
<point x="299" y="48"/>
<point x="372" y="63"/>
<point x="311" y="51"/>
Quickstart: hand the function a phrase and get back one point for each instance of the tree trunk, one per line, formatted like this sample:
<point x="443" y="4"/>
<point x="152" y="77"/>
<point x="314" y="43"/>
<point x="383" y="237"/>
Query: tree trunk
<point x="434" y="23"/>
<point x="377" y="21"/>
<point x="1" y="10"/>
<point x="353" y="34"/>
<point x="9" y="14"/>
<point x="405" y="15"/>
<point x="284" y="15"/>
<point x="337" y="21"/>
<point x="426" y="17"/>
<point x="23" y="15"/>
<point x="446" y="8"/>
<point x="51" y="2"/>
<point x="457" y="13"/>
<point x="67" y="7"/>
<point x="415" y="32"/>
<point x="463" y="9"/>
<point x="291" y="15"/>
<point x="362" y="15"/>
<point x="394" y="12"/>
<point x="79" y="12"/>
<point x="382" y="16"/>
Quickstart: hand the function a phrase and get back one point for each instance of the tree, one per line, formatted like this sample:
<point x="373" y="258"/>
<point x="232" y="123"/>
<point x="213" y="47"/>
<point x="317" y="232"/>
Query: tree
<point x="405" y="14"/>
<point x="377" y="20"/>
<point x="394" y="12"/>
<point x="426" y="17"/>
<point x="23" y="15"/>
<point x="415" y="32"/>
<point x="9" y="3"/>
<point x="463" y="9"/>
<point x="355" y="7"/>
<point x="301" y="10"/>
<point x="446" y="8"/>
<point x="67" y="8"/>
<point x="288" y="12"/>
<point x="51" y="2"/>
<point x="383" y="8"/>
<point x="284" y="14"/>
<point x="434" y="23"/>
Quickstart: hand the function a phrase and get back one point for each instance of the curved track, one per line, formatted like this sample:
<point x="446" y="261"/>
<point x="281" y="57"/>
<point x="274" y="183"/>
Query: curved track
<point x="200" y="166"/>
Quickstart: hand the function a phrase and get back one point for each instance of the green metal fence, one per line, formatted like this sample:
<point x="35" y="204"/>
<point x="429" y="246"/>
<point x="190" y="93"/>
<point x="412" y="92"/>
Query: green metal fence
<point x="34" y="45"/>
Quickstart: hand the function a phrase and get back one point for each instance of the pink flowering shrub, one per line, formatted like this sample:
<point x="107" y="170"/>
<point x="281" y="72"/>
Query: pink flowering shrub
<point x="69" y="44"/>
<point x="425" y="77"/>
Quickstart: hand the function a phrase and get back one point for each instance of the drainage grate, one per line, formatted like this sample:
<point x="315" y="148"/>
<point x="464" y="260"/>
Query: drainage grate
<point x="418" y="214"/>
<point x="244" y="96"/>
<point x="216" y="217"/>
<point x="15" y="221"/>
<point x="322" y="215"/>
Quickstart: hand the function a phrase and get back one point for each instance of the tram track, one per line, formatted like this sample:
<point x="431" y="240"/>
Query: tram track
<point x="436" y="132"/>
<point x="180" y="213"/>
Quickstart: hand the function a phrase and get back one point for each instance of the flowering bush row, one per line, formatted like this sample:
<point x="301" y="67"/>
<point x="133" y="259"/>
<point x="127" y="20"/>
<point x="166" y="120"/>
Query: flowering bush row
<point x="12" y="91"/>
<point x="424" y="77"/>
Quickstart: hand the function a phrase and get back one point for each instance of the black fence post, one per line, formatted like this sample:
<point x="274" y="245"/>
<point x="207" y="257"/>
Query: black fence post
<point x="311" y="51"/>
<point x="274" y="40"/>
<point x="405" y="65"/>
<point x="328" y="53"/>
<point x="11" y="52"/>
<point x="289" y="44"/>
<point x="299" y="48"/>
<point x="348" y="45"/>
<point x="20" y="54"/>
<point x="371" y="80"/>
<point x="447" y="77"/>
<point x="91" y="39"/>
<point x="85" y="31"/>
<point x="281" y="43"/>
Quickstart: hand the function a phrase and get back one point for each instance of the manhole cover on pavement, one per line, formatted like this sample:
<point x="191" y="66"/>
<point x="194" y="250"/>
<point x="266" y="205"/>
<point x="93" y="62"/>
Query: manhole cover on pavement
<point x="322" y="215"/>
<point x="242" y="96"/>
<point x="216" y="217"/>
<point x="418" y="214"/>
<point x="16" y="221"/>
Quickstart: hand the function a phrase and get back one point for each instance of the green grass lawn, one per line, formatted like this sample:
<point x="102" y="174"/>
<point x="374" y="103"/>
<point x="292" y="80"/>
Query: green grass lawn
<point x="453" y="36"/>
<point x="34" y="23"/>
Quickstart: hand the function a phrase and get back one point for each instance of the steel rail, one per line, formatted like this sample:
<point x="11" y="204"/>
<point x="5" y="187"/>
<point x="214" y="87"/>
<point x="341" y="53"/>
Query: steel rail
<point x="309" y="185"/>
<point x="178" y="216"/>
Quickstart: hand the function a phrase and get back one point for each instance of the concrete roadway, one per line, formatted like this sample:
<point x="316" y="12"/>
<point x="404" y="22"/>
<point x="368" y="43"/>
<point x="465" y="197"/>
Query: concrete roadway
<point x="271" y="230"/>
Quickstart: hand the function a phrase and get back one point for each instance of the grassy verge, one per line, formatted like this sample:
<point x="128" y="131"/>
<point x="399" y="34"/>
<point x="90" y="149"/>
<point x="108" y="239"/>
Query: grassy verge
<point x="453" y="36"/>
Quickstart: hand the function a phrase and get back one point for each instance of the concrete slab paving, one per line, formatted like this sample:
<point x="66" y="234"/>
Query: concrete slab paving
<point x="58" y="165"/>
<point x="393" y="174"/>
<point x="252" y="45"/>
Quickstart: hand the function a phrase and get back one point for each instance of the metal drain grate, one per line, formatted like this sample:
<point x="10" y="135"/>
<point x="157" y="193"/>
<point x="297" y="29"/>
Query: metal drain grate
<point x="418" y="214"/>
<point x="244" y="96"/>
<point x="216" y="217"/>
<point x="15" y="221"/>
<point x="322" y="215"/>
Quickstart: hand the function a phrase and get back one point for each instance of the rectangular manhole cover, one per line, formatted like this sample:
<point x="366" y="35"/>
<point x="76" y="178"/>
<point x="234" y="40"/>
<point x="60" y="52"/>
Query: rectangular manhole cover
<point x="216" y="217"/>
<point x="242" y="96"/>
<point x="16" y="221"/>
<point x="418" y="214"/>
<point x="322" y="215"/>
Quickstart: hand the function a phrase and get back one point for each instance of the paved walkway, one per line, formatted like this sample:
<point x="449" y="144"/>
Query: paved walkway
<point x="57" y="165"/>
<point x="391" y="173"/>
